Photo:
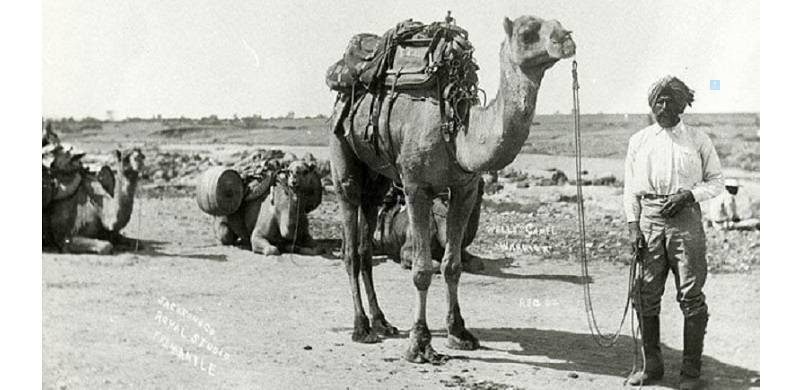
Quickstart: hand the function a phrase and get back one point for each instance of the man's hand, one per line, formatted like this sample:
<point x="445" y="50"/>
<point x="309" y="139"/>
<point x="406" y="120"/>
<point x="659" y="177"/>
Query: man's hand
<point x="636" y="237"/>
<point x="676" y="203"/>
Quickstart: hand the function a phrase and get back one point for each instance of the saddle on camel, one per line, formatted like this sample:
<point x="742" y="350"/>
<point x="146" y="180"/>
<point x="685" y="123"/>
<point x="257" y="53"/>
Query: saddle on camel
<point x="410" y="56"/>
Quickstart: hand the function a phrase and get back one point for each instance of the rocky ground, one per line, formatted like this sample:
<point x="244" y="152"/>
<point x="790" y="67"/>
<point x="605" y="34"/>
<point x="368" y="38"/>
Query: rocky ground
<point x="528" y="211"/>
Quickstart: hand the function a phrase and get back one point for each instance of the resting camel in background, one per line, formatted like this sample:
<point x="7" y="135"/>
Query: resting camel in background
<point x="275" y="220"/>
<point x="414" y="152"/>
<point x="393" y="229"/>
<point x="90" y="218"/>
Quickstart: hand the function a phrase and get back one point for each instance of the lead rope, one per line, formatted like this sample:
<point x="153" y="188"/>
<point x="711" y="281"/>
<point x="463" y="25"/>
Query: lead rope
<point x="296" y="226"/>
<point x="634" y="290"/>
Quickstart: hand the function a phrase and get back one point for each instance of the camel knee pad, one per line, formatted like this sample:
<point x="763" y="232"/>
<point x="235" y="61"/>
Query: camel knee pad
<point x="422" y="279"/>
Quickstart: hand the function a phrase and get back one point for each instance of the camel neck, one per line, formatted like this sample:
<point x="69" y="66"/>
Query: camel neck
<point x="497" y="132"/>
<point x="118" y="211"/>
<point x="517" y="93"/>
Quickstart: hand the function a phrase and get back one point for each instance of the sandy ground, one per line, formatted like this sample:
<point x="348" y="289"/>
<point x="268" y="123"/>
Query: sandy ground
<point x="284" y="322"/>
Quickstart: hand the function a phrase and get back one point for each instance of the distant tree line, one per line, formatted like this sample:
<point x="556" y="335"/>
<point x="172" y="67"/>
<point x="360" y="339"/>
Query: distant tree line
<point x="255" y="121"/>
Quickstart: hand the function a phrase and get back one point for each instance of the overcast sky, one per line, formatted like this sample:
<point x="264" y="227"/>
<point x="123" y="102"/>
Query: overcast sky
<point x="198" y="57"/>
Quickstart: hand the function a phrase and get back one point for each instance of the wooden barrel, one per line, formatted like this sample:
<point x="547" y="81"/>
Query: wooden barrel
<point x="220" y="191"/>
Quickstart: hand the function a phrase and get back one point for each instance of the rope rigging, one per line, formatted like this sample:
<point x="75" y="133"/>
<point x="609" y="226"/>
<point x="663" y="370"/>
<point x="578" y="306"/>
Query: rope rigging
<point x="633" y="295"/>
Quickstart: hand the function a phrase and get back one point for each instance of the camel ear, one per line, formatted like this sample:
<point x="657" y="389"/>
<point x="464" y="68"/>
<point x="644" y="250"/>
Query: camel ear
<point x="106" y="179"/>
<point x="508" y="25"/>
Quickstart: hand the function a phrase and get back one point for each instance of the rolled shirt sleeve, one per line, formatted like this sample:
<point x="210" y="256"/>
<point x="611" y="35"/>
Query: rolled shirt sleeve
<point x="631" y="201"/>
<point x="711" y="184"/>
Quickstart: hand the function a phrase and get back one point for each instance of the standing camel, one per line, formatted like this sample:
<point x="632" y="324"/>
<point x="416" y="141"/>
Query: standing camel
<point x="412" y="149"/>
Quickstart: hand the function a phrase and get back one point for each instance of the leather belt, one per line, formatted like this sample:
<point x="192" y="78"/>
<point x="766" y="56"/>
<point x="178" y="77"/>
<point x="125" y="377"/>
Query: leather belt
<point x="653" y="196"/>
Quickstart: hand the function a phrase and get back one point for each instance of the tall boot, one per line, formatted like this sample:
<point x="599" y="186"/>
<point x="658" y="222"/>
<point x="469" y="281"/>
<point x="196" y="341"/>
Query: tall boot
<point x="654" y="363"/>
<point x="694" y="331"/>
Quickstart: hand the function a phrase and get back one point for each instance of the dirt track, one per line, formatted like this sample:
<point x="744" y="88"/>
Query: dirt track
<point x="284" y="322"/>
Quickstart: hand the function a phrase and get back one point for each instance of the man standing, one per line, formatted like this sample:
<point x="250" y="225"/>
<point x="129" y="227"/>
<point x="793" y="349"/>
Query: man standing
<point x="669" y="168"/>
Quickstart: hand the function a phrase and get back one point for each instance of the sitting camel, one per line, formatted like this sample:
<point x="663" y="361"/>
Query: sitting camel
<point x="276" y="220"/>
<point x="90" y="218"/>
<point x="393" y="229"/>
<point x="409" y="147"/>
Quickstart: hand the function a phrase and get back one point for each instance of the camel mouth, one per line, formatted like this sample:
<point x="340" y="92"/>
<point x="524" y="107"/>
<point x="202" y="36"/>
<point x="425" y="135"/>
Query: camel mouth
<point x="561" y="45"/>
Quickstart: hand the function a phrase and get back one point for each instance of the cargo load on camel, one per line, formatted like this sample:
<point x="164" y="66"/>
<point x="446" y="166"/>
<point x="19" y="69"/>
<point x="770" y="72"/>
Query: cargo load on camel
<point x="434" y="57"/>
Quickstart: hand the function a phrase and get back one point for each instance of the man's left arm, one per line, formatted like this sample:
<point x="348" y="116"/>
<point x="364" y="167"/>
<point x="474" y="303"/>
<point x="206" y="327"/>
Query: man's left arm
<point x="711" y="184"/>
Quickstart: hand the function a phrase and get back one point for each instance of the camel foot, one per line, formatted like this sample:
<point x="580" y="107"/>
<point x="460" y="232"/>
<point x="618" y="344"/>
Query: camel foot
<point x="462" y="340"/>
<point x="86" y="245"/>
<point x="383" y="327"/>
<point x="419" y="347"/>
<point x="362" y="333"/>
<point x="105" y="249"/>
<point x="268" y="251"/>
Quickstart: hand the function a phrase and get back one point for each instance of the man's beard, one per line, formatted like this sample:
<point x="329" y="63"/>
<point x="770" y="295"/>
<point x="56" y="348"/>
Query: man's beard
<point x="667" y="118"/>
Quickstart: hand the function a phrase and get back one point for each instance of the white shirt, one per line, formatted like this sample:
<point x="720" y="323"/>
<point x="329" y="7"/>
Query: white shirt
<point x="662" y="161"/>
<point x="723" y="208"/>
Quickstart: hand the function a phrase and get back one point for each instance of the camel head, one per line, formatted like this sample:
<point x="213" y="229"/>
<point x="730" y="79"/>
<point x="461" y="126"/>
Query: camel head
<point x="301" y="174"/>
<point x="130" y="162"/>
<point x="534" y="44"/>
<point x="286" y="203"/>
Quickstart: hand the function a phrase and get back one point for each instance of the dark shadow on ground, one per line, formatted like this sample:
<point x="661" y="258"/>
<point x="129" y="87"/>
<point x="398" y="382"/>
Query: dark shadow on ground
<point x="155" y="249"/>
<point x="580" y="353"/>
<point x="498" y="267"/>
<point x="151" y="248"/>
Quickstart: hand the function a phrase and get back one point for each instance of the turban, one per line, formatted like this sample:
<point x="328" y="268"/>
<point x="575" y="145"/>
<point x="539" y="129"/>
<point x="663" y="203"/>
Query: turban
<point x="675" y="87"/>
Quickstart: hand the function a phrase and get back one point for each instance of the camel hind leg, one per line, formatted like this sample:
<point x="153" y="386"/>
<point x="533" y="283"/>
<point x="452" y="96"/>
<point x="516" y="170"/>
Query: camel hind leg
<point x="368" y="217"/>
<point x="347" y="174"/>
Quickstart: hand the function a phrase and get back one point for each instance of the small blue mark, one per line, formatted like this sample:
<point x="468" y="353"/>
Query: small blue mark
<point x="714" y="85"/>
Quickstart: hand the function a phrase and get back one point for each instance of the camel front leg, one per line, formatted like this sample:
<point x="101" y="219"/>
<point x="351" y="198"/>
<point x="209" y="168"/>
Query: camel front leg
<point x="462" y="201"/>
<point x="305" y="244"/>
<point x="418" y="201"/>
<point x="260" y="244"/>
<point x="86" y="245"/>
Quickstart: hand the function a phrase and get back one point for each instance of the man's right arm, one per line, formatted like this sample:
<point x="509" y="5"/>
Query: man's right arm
<point x="631" y="200"/>
<point x="629" y="197"/>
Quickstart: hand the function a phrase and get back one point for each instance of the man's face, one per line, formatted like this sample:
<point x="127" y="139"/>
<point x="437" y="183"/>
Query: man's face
<point x="667" y="110"/>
